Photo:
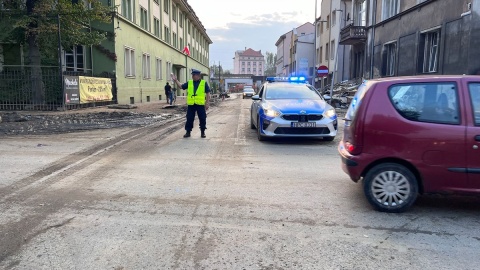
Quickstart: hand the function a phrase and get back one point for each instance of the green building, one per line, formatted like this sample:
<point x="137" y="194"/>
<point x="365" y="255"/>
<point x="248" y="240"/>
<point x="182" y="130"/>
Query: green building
<point x="149" y="43"/>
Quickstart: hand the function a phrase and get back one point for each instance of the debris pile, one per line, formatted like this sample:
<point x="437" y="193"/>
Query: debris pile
<point x="343" y="92"/>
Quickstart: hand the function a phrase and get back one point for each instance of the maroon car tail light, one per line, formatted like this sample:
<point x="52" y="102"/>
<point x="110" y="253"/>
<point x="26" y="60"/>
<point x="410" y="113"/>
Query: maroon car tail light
<point x="352" y="148"/>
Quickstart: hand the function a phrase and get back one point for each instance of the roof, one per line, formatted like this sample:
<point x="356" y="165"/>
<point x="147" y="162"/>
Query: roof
<point x="250" y="52"/>
<point x="424" y="78"/>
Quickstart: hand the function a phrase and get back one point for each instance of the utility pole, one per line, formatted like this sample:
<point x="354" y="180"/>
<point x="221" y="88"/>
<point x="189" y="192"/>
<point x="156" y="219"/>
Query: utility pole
<point x="315" y="48"/>
<point x="219" y="78"/>
<point x="60" y="61"/>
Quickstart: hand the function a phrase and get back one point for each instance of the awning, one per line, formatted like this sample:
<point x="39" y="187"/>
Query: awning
<point x="178" y="66"/>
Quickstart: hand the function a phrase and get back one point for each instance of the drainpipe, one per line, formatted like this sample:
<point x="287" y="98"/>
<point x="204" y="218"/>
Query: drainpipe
<point x="329" y="43"/>
<point x="373" y="37"/>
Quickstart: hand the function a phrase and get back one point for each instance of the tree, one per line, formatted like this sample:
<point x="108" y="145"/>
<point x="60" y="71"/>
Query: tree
<point x="36" y="24"/>
<point x="271" y="68"/>
<point x="216" y="69"/>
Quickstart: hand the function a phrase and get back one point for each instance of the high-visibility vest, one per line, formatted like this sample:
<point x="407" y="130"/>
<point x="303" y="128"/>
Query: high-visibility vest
<point x="199" y="96"/>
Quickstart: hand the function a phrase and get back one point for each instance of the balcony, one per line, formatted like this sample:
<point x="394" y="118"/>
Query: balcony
<point x="351" y="35"/>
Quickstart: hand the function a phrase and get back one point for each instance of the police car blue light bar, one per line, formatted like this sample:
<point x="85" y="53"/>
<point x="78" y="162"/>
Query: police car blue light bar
<point x="286" y="79"/>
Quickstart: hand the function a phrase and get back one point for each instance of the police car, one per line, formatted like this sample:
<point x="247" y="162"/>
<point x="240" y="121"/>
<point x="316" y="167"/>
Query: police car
<point x="289" y="107"/>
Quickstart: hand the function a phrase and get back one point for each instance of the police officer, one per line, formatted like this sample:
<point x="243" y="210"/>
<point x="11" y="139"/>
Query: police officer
<point x="198" y="97"/>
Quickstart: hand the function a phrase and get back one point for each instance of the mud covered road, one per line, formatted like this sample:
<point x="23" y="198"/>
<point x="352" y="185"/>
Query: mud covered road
<point x="143" y="197"/>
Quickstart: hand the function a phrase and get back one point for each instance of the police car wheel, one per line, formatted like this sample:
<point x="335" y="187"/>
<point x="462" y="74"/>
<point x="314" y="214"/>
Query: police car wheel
<point x="252" y="126"/>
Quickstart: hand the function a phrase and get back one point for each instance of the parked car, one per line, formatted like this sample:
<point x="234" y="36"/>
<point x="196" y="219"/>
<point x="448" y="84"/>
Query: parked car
<point x="289" y="107"/>
<point x="248" y="92"/>
<point x="410" y="135"/>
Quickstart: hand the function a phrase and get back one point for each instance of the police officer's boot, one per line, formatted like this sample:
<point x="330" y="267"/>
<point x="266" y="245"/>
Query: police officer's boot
<point x="203" y="134"/>
<point x="186" y="134"/>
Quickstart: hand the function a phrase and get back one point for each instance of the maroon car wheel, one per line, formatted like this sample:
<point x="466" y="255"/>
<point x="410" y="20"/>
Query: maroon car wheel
<point x="390" y="187"/>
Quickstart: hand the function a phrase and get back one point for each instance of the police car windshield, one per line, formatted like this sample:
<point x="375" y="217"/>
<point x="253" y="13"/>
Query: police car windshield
<point x="291" y="91"/>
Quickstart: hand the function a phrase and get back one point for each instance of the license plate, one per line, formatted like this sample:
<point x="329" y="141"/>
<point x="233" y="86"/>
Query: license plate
<point x="303" y="124"/>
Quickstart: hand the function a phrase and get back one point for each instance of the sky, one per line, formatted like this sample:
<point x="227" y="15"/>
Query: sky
<point x="257" y="24"/>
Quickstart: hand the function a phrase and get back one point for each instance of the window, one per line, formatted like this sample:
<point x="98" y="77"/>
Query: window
<point x="175" y="40"/>
<point x="168" y="69"/>
<point x="167" y="34"/>
<point x="129" y="62"/>
<point x="189" y="26"/>
<point x="475" y="96"/>
<point x="181" y="44"/>
<point x="166" y="5"/>
<point x="243" y="69"/>
<point x="146" y="66"/>
<point x="332" y="47"/>
<point x="127" y="9"/>
<point x="243" y="64"/>
<point x="248" y="69"/>
<point x="320" y="54"/>
<point x="334" y="17"/>
<point x="248" y="63"/>
<point x="427" y="102"/>
<point x="361" y="9"/>
<point x="156" y="27"/>
<point x="390" y="8"/>
<point x="390" y="57"/>
<point x="328" y="21"/>
<point x="143" y="18"/>
<point x="326" y="52"/>
<point x="174" y="13"/>
<point x="430" y="42"/>
<point x="180" y="23"/>
<point x="74" y="59"/>
<point x="159" y="68"/>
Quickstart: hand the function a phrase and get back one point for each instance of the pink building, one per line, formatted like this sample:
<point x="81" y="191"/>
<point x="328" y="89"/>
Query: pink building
<point x="249" y="62"/>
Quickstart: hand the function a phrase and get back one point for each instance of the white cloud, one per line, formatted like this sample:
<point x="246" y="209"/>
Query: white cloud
<point x="256" y="24"/>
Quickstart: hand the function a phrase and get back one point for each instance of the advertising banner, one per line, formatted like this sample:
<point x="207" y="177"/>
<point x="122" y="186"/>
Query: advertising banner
<point x="95" y="89"/>
<point x="72" y="89"/>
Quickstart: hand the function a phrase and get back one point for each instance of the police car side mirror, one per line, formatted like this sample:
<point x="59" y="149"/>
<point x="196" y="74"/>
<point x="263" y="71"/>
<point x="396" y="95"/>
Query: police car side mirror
<point x="327" y="97"/>
<point x="256" y="97"/>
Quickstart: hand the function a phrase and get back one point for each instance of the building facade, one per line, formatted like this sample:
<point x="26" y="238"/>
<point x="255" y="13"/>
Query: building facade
<point x="249" y="61"/>
<point x="150" y="41"/>
<point x="303" y="51"/>
<point x="414" y="37"/>
<point x="335" y="15"/>
<point x="285" y="48"/>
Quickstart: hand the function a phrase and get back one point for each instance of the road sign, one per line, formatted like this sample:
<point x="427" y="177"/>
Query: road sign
<point x="322" y="71"/>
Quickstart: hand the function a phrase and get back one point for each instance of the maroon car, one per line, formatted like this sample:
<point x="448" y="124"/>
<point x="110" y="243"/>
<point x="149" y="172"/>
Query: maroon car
<point x="410" y="135"/>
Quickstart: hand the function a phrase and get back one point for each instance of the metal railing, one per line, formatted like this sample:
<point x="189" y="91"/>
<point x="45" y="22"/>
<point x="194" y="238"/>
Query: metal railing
<point x="40" y="88"/>
<point x="353" y="34"/>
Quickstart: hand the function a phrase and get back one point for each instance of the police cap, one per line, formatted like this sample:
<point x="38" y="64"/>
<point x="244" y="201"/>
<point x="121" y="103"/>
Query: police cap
<point x="195" y="71"/>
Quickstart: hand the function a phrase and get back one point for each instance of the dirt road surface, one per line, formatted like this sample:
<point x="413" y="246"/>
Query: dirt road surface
<point x="143" y="197"/>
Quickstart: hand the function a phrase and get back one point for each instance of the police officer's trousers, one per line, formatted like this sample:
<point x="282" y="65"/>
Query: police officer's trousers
<point x="202" y="116"/>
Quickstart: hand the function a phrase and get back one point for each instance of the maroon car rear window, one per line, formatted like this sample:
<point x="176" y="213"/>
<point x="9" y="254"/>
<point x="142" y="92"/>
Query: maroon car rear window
<point x="357" y="100"/>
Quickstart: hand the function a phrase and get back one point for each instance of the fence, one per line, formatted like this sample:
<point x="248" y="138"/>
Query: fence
<point x="34" y="88"/>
